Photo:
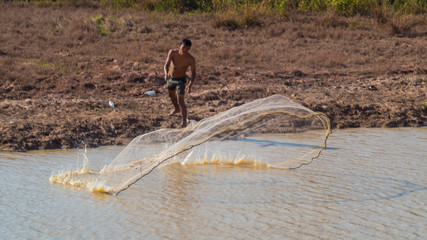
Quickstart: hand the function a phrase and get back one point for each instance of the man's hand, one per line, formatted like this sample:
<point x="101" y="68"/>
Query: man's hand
<point x="188" y="90"/>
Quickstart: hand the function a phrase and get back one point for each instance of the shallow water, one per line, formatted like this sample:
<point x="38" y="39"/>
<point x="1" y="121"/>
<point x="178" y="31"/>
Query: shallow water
<point x="370" y="184"/>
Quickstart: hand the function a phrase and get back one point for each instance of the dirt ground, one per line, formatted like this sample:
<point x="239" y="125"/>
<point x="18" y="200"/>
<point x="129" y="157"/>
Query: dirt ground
<point x="60" y="67"/>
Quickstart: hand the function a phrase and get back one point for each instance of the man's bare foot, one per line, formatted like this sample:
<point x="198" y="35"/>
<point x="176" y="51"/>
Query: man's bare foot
<point x="174" y="112"/>
<point x="184" y="125"/>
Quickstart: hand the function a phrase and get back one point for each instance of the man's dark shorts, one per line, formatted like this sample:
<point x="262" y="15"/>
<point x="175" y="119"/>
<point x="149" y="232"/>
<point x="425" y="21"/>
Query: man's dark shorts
<point x="178" y="84"/>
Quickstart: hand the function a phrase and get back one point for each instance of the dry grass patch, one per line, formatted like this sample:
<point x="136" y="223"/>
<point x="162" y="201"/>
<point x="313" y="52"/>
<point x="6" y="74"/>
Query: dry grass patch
<point x="79" y="44"/>
<point x="234" y="19"/>
<point x="331" y="19"/>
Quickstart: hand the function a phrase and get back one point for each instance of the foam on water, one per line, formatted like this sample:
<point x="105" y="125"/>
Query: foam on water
<point x="81" y="178"/>
<point x="238" y="160"/>
<point x="94" y="181"/>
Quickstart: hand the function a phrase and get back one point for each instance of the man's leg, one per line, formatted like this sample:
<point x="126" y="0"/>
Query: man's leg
<point x="174" y="100"/>
<point x="183" y="109"/>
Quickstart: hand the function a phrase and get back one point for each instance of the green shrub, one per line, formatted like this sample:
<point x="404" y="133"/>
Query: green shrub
<point x="313" y="5"/>
<point x="353" y="7"/>
<point x="350" y="7"/>
<point x="343" y="7"/>
<point x="407" y="6"/>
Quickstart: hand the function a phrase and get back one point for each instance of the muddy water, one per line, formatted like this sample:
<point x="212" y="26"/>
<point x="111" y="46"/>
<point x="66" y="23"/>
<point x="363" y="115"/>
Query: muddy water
<point x="371" y="184"/>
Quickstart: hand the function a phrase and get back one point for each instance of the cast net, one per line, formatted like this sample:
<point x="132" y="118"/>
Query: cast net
<point x="272" y="132"/>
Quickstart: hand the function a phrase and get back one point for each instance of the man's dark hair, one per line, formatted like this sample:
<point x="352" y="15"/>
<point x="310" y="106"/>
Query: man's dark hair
<point x="186" y="42"/>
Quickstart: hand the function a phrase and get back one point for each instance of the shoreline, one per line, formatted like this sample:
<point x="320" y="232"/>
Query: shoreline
<point x="68" y="122"/>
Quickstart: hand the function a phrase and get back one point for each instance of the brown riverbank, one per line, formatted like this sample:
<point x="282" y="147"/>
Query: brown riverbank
<point x="59" y="67"/>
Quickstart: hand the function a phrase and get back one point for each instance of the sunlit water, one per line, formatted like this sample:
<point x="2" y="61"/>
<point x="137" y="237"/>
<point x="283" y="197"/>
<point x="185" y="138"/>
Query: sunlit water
<point x="370" y="184"/>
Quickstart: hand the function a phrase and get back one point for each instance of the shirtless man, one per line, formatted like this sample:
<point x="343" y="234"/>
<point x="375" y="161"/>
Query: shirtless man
<point x="176" y="77"/>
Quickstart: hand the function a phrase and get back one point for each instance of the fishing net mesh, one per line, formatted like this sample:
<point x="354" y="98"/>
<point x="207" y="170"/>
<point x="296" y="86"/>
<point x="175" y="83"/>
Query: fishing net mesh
<point x="271" y="132"/>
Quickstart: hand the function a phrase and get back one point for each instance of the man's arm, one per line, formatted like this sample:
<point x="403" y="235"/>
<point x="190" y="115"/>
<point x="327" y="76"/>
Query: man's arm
<point x="167" y="65"/>
<point x="193" y="75"/>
